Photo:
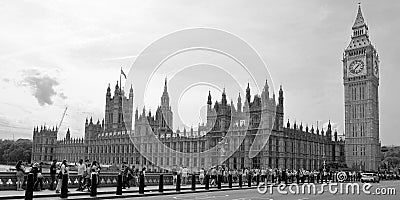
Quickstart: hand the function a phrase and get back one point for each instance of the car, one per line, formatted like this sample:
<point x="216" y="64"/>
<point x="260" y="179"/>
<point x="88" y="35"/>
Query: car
<point x="369" y="177"/>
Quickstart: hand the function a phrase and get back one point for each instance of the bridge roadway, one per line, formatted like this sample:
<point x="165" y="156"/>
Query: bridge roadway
<point x="151" y="193"/>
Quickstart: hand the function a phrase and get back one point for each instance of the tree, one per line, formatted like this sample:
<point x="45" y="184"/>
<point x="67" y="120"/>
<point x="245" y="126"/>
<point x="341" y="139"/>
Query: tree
<point x="392" y="162"/>
<point x="12" y="151"/>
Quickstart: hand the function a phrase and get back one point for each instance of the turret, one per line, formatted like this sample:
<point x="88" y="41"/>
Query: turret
<point x="68" y="135"/>
<point x="136" y="114"/>
<point x="248" y="96"/>
<point x="336" y="136"/>
<point x="223" y="101"/>
<point x="329" y="131"/>
<point x="265" y="92"/>
<point x="279" y="110"/>
<point x="280" y="100"/>
<point x="117" y="91"/>
<point x="108" y="94"/>
<point x="165" y="96"/>
<point x="209" y="102"/>
<point x="239" y="104"/>
<point x="131" y="93"/>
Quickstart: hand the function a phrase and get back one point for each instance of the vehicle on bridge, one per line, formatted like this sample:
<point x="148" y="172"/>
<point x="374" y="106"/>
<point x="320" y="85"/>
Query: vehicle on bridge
<point x="369" y="177"/>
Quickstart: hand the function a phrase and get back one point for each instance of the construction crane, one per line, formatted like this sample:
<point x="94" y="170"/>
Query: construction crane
<point x="62" y="118"/>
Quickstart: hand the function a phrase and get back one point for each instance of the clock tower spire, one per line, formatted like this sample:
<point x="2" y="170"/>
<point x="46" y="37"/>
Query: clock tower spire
<point x="361" y="81"/>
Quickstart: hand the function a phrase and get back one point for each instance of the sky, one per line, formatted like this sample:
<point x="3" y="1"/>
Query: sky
<point x="57" y="54"/>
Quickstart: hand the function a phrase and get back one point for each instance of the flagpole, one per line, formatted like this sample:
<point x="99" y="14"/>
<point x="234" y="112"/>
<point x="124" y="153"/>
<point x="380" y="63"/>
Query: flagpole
<point x="120" y="83"/>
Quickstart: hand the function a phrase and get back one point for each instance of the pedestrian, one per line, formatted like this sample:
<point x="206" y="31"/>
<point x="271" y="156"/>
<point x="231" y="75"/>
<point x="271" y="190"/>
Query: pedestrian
<point x="226" y="173"/>
<point x="174" y="175"/>
<point x="301" y="176"/>
<point x="95" y="168"/>
<point x="213" y="176"/>
<point x="81" y="175"/>
<point x="53" y="174"/>
<point x="127" y="176"/>
<point x="88" y="176"/>
<point x="143" y="172"/>
<point x="123" y="174"/>
<point x="219" y="175"/>
<point x="20" y="175"/>
<point x="245" y="174"/>
<point x="34" y="170"/>
<point x="130" y="174"/>
<point x="136" y="176"/>
<point x="64" y="169"/>
<point x="37" y="176"/>
<point x="185" y="172"/>
<point x="201" y="176"/>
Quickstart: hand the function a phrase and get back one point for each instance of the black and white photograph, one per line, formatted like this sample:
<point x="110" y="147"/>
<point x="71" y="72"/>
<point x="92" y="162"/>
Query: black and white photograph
<point x="194" y="100"/>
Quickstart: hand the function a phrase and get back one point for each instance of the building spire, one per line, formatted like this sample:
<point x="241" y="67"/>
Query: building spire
<point x="248" y="97"/>
<point x="165" y="86"/>
<point x="165" y="96"/>
<point x="359" y="18"/>
<point x="209" y="98"/>
<point x="223" y="101"/>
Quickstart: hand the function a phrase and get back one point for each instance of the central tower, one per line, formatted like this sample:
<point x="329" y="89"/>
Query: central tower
<point x="361" y="81"/>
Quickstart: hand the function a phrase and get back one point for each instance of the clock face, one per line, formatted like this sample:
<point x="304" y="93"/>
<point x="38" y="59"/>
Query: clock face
<point x="357" y="67"/>
<point x="376" y="68"/>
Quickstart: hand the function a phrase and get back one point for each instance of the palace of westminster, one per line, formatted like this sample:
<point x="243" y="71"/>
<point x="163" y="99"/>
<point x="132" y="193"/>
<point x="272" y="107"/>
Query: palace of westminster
<point x="289" y="146"/>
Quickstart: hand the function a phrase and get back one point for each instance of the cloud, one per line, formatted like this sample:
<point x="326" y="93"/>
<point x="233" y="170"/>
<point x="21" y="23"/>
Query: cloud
<point x="62" y="95"/>
<point x="42" y="86"/>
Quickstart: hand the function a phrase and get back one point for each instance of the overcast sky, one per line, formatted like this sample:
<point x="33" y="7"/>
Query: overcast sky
<point x="64" y="53"/>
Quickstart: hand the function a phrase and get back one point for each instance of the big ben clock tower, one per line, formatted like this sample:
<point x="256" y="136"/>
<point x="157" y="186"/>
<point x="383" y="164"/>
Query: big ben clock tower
<point x="361" y="81"/>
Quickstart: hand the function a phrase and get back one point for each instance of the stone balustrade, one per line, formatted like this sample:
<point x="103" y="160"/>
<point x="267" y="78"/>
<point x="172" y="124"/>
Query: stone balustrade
<point x="107" y="179"/>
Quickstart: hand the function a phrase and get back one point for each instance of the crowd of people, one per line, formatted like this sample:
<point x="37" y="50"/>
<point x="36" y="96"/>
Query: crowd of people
<point x="57" y="171"/>
<point x="266" y="175"/>
<point x="130" y="175"/>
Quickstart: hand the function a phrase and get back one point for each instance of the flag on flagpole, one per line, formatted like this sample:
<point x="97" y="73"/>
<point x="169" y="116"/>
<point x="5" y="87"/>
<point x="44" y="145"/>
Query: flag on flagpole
<point x="122" y="72"/>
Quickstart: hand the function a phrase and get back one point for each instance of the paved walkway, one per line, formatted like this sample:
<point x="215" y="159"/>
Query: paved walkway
<point x="105" y="191"/>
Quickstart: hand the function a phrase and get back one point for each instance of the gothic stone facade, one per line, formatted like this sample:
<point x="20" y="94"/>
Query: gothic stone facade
<point x="111" y="142"/>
